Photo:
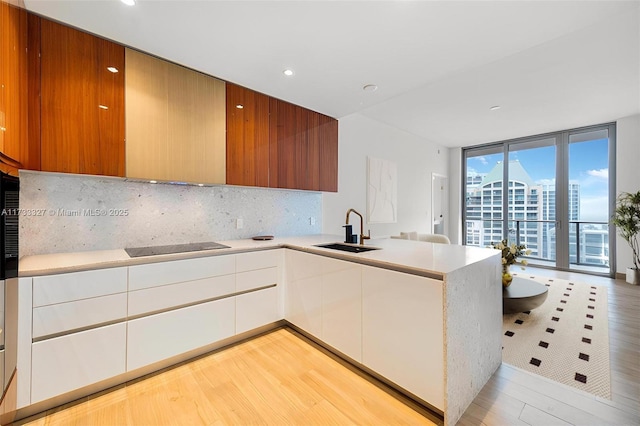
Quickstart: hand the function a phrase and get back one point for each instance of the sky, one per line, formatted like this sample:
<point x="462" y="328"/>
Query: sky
<point x="588" y="165"/>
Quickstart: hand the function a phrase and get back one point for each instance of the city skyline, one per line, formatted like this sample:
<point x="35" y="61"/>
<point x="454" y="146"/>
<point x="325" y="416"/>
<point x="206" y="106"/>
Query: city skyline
<point x="588" y="166"/>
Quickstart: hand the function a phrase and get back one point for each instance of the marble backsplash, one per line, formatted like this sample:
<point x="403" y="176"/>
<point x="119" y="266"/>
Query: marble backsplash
<point x="70" y="213"/>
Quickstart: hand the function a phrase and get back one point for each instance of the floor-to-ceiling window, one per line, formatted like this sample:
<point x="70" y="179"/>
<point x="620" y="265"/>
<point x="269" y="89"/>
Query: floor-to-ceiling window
<point x="554" y="193"/>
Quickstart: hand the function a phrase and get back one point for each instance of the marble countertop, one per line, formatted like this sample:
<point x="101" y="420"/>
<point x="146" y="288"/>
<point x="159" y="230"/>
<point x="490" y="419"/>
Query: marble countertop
<point x="415" y="257"/>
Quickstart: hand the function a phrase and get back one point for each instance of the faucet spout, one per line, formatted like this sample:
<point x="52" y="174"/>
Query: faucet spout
<point x="362" y="236"/>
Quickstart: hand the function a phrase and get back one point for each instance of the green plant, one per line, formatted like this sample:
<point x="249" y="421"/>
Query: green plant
<point x="511" y="253"/>
<point x="626" y="219"/>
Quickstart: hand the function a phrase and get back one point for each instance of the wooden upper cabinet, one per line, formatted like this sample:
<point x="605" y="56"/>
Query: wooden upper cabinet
<point x="247" y="137"/>
<point x="304" y="148"/>
<point x="287" y="145"/>
<point x="175" y="122"/>
<point x="328" y="135"/>
<point x="14" y="147"/>
<point x="82" y="102"/>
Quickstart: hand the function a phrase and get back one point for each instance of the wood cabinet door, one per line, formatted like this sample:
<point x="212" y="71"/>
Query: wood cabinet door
<point x="13" y="84"/>
<point x="328" y="142"/>
<point x="287" y="145"/>
<point x="303" y="148"/>
<point x="175" y="122"/>
<point x="247" y="137"/>
<point x="82" y="102"/>
<point x="322" y="153"/>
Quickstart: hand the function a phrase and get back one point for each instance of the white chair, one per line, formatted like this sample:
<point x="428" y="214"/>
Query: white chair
<point x="434" y="238"/>
<point x="413" y="235"/>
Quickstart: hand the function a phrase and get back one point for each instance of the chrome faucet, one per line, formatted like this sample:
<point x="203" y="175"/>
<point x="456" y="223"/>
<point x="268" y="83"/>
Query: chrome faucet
<point x="362" y="236"/>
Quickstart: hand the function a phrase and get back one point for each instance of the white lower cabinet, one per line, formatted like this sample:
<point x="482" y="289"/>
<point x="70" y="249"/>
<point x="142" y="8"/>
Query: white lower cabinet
<point x="342" y="307"/>
<point x="66" y="363"/>
<point x="161" y="336"/>
<point x="304" y="291"/>
<point x="256" y="309"/>
<point x="324" y="299"/>
<point x="402" y="331"/>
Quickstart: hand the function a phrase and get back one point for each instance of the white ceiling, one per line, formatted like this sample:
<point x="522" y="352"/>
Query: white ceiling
<point x="439" y="65"/>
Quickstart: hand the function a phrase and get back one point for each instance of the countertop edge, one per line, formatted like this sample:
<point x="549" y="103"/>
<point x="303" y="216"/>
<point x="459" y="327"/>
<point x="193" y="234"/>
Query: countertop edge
<point x="87" y="261"/>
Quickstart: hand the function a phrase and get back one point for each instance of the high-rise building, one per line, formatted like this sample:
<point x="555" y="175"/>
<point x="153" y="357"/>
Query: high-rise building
<point x="531" y="214"/>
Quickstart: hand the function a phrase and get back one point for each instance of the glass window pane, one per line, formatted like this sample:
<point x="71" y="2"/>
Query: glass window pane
<point x="589" y="199"/>
<point x="483" y="201"/>
<point x="532" y="188"/>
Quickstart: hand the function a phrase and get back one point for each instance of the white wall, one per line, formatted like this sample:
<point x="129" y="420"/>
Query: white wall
<point x="416" y="159"/>
<point x="627" y="175"/>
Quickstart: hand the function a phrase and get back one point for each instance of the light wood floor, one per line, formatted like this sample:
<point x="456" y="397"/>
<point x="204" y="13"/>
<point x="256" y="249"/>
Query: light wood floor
<point x="274" y="379"/>
<point x="279" y="378"/>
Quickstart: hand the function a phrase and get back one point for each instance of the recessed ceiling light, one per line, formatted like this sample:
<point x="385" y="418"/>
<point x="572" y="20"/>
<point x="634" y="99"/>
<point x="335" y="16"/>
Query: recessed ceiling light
<point x="288" y="72"/>
<point x="201" y="184"/>
<point x="129" y="2"/>
<point x="103" y="107"/>
<point x="153" y="181"/>
<point x="239" y="106"/>
<point x="495" y="108"/>
<point x="112" y="69"/>
<point x="369" y="87"/>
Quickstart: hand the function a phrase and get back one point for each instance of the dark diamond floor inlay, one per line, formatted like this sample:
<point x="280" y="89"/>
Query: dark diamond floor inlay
<point x="583" y="356"/>
<point x="581" y="378"/>
<point x="543" y="344"/>
<point x="586" y="340"/>
<point x="509" y="333"/>
<point x="559" y="309"/>
<point x="535" y="361"/>
<point x="588" y="327"/>
<point x="519" y="321"/>
<point x="556" y="319"/>
<point x="589" y="316"/>
<point x="550" y="330"/>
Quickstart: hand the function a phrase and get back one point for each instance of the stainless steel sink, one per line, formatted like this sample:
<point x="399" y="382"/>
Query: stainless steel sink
<point x="348" y="247"/>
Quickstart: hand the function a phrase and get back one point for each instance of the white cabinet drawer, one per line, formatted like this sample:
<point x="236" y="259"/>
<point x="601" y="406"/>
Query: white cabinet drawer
<point x="70" y="362"/>
<point x="61" y="317"/>
<point x="157" y="337"/>
<point x="256" y="279"/>
<point x="256" y="309"/>
<point x="258" y="260"/>
<point x="62" y="288"/>
<point x="158" y="274"/>
<point x="160" y="298"/>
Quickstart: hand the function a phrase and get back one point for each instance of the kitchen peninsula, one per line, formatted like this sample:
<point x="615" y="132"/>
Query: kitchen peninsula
<point x="423" y="317"/>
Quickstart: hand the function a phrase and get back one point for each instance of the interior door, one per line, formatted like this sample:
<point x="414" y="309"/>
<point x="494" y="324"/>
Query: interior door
<point x="439" y="203"/>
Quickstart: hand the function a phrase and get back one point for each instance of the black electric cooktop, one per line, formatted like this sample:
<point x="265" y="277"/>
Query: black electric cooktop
<point x="173" y="248"/>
